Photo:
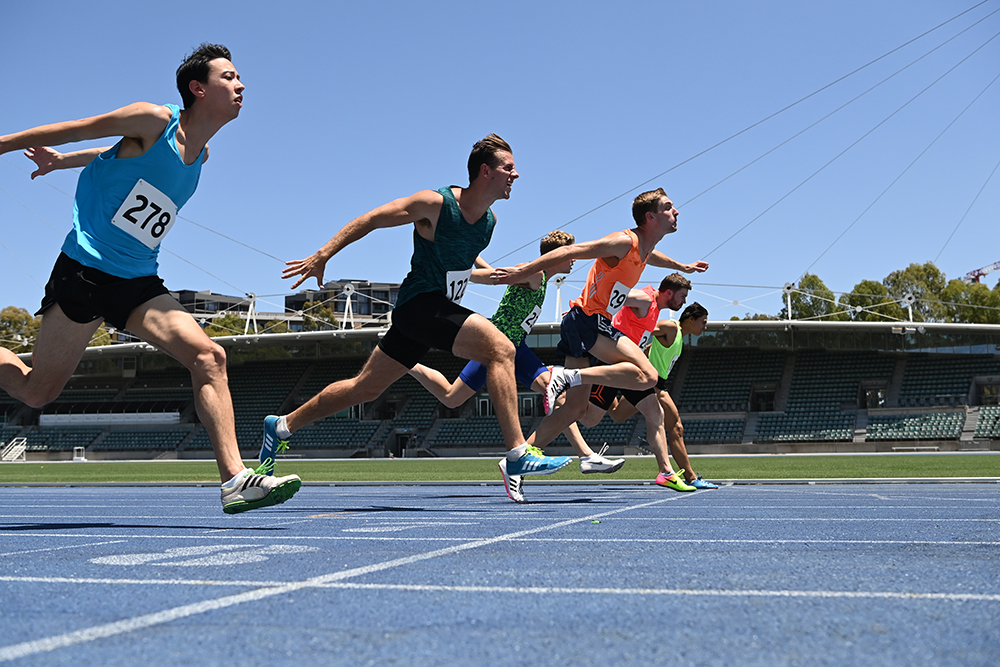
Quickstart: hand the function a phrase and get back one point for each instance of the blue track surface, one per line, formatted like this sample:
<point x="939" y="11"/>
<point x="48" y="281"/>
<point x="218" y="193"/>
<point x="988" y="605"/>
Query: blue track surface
<point x="583" y="575"/>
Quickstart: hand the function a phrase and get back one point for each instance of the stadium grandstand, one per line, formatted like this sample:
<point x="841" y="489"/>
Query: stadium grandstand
<point x="776" y="386"/>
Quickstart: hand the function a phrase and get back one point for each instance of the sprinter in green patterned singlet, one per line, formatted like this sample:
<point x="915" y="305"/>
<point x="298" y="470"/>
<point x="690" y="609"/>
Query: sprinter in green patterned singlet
<point x="519" y="309"/>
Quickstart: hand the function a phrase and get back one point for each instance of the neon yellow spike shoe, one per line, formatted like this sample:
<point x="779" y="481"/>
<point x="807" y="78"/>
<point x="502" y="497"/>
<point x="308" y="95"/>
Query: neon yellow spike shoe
<point x="674" y="481"/>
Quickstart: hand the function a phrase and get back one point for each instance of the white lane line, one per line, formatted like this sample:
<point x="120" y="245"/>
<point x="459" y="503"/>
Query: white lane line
<point x="537" y="590"/>
<point x="75" y="581"/>
<point x="683" y="540"/>
<point x="24" y="649"/>
<point x="458" y="538"/>
<point x="71" y="546"/>
<point x="548" y="590"/>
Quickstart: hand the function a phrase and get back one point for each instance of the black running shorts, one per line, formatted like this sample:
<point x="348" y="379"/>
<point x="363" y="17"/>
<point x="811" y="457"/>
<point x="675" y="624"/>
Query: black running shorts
<point x="425" y="321"/>
<point x="86" y="294"/>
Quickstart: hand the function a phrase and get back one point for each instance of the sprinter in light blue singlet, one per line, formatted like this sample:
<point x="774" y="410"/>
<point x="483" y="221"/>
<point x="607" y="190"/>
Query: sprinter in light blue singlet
<point x="126" y="202"/>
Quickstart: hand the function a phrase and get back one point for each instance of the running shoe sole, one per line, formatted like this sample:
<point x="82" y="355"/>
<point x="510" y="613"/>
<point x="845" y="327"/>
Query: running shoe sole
<point x="607" y="471"/>
<point x="276" y="496"/>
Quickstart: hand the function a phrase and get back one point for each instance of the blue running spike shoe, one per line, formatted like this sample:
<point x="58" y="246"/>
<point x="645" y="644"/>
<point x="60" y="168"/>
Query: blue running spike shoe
<point x="272" y="445"/>
<point x="700" y="483"/>
<point x="534" y="462"/>
<point x="512" y="483"/>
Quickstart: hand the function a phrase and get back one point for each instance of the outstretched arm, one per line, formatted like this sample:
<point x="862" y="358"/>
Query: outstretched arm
<point x="142" y="122"/>
<point x="657" y="258"/>
<point x="481" y="272"/>
<point x="614" y="245"/>
<point x="422" y="208"/>
<point x="48" y="160"/>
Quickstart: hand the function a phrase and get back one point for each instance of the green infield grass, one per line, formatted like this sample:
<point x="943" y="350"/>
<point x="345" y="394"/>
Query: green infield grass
<point x="475" y="470"/>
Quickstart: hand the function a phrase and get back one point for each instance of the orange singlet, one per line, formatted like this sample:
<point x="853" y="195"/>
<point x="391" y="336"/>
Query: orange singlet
<point x="608" y="286"/>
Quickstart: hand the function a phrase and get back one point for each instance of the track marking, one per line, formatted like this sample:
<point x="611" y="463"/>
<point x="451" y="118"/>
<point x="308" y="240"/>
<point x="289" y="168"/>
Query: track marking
<point x="412" y="538"/>
<point x="72" y="546"/>
<point x="536" y="590"/>
<point x="549" y="590"/>
<point x="212" y="555"/>
<point x="133" y="624"/>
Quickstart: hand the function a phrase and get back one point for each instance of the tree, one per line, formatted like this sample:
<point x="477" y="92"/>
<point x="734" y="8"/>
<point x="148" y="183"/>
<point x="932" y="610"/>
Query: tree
<point x="923" y="281"/>
<point x="974" y="303"/>
<point x="100" y="337"/>
<point x="813" y="300"/>
<point x="873" y="303"/>
<point x="229" y="324"/>
<point x="276" y="326"/>
<point x="755" y="317"/>
<point x="18" y="329"/>
<point x="318" y="317"/>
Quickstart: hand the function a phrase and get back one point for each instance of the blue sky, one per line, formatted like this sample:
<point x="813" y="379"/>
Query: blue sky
<point x="350" y="105"/>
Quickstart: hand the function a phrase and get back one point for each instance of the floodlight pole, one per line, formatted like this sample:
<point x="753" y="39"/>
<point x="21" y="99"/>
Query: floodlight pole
<point x="558" y="282"/>
<point x="251" y="314"/>
<point x="789" y="288"/>
<point x="348" y="311"/>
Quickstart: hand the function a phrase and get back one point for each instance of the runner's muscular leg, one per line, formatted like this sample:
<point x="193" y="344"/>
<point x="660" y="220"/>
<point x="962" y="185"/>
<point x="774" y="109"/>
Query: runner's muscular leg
<point x="564" y="413"/>
<point x="59" y="346"/>
<point x="675" y="429"/>
<point x="378" y="373"/>
<point x="451" y="394"/>
<point x="480" y="341"/>
<point x="572" y="432"/>
<point x="163" y="322"/>
<point x="627" y="367"/>
<point x="652" y="411"/>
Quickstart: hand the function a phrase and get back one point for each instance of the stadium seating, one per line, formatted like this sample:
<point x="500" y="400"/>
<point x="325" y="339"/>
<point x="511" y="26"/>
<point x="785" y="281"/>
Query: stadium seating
<point x="720" y="380"/>
<point x="988" y="425"/>
<point x="60" y="438"/>
<point x="714" y="430"/>
<point x="818" y="402"/>
<point x="141" y="439"/>
<point x="932" y="426"/>
<point x="934" y="379"/>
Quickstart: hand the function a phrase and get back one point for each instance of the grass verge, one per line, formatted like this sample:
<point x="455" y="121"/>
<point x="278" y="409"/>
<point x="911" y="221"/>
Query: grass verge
<point x="438" y="470"/>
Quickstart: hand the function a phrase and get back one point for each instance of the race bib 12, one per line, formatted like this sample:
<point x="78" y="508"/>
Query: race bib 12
<point x="456" y="282"/>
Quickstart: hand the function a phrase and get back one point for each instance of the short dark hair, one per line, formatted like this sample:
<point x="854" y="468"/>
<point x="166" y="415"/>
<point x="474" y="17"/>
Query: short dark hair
<point x="675" y="282"/>
<point x="647" y="202"/>
<point x="693" y="312"/>
<point x="485" y="152"/>
<point x="195" y="68"/>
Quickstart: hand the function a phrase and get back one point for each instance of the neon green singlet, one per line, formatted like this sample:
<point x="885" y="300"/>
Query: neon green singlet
<point x="663" y="358"/>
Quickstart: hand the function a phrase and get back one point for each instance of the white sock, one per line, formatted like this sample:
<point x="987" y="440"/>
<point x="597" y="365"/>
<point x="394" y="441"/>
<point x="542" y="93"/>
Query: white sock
<point x="236" y="478"/>
<point x="281" y="428"/>
<point x="517" y="452"/>
<point x="573" y="375"/>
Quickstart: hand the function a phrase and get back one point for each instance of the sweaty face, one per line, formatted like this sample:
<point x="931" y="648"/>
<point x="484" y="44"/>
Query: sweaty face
<point x="666" y="215"/>
<point x="672" y="300"/>
<point x="504" y="174"/>
<point x="222" y="90"/>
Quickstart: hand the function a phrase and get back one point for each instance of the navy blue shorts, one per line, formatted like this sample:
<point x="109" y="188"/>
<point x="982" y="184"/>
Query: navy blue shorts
<point x="580" y="332"/>
<point x="527" y="367"/>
